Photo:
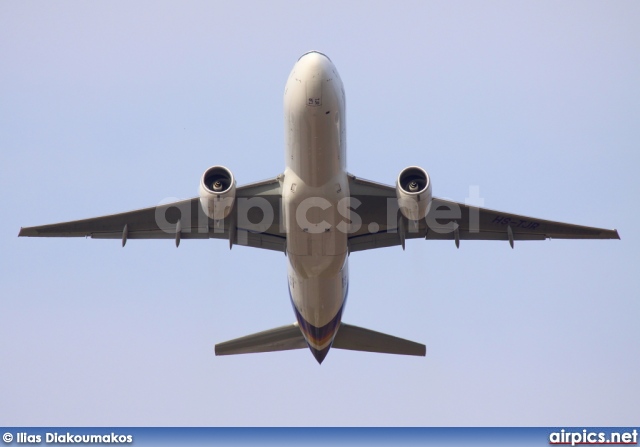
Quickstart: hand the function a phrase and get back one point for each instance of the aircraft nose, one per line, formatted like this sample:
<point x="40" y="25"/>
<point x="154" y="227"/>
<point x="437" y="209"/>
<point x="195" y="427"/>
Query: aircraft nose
<point x="314" y="55"/>
<point x="315" y="64"/>
<point x="314" y="72"/>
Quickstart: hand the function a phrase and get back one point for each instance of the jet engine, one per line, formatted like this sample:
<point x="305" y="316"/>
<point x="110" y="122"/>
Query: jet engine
<point x="217" y="192"/>
<point x="413" y="190"/>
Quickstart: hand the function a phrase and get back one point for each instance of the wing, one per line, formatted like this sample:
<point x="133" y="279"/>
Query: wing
<point x="377" y="207"/>
<point x="247" y="225"/>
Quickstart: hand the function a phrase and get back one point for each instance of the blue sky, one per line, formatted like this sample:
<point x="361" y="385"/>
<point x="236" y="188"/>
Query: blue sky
<point x="112" y="106"/>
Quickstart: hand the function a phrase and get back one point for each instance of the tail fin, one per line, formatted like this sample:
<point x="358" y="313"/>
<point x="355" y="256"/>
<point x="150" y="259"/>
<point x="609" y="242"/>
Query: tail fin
<point x="282" y="338"/>
<point x="356" y="338"/>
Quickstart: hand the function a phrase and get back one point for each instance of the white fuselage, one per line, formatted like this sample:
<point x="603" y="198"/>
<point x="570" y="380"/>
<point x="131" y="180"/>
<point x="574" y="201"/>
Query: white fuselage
<point x="315" y="180"/>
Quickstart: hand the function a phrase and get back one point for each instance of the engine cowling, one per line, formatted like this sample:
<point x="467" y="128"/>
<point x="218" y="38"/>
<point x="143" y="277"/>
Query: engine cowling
<point x="217" y="192"/>
<point x="413" y="190"/>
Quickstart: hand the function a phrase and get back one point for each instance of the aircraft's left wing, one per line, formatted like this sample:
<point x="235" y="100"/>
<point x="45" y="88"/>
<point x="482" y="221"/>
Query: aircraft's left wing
<point x="376" y="205"/>
<point x="185" y="220"/>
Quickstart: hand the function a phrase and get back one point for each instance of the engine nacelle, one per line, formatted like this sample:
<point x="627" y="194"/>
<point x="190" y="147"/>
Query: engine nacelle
<point x="217" y="192"/>
<point x="413" y="190"/>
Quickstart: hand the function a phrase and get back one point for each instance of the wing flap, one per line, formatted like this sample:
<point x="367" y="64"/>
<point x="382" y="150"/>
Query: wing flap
<point x="355" y="338"/>
<point x="155" y="234"/>
<point x="282" y="338"/>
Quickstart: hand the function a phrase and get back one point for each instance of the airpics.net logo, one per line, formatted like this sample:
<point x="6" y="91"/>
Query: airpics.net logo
<point x="586" y="437"/>
<point x="258" y="215"/>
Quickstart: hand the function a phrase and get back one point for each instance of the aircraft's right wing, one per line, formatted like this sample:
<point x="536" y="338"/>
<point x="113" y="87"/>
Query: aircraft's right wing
<point x="377" y="207"/>
<point x="161" y="222"/>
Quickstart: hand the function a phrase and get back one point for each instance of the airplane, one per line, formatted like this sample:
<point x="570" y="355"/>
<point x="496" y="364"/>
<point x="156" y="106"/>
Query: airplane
<point x="317" y="214"/>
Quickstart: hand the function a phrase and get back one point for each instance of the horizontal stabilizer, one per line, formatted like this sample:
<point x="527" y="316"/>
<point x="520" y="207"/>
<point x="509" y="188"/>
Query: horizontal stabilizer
<point x="282" y="338"/>
<point x="356" y="338"/>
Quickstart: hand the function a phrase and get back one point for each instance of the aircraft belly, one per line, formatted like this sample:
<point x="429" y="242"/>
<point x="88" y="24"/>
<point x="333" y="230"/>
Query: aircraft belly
<point x="316" y="148"/>
<point x="317" y="251"/>
<point x="317" y="255"/>
<point x="315" y="181"/>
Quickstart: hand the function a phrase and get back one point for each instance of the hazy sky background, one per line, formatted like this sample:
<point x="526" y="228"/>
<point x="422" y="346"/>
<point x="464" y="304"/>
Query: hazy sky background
<point x="112" y="106"/>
